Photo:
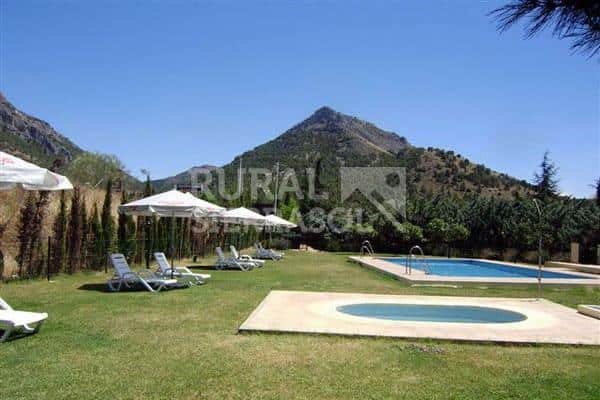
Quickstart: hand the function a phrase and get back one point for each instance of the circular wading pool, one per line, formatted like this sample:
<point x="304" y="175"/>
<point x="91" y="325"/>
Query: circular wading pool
<point x="432" y="313"/>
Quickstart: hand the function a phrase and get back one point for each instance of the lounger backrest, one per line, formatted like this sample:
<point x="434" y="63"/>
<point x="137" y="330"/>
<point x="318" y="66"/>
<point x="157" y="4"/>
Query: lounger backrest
<point x="234" y="252"/>
<point x="4" y="305"/>
<point x="119" y="264"/>
<point x="162" y="261"/>
<point x="220" y="254"/>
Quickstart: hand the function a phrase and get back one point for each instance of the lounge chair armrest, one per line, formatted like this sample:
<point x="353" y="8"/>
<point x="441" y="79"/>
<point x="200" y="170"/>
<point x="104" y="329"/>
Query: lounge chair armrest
<point x="129" y="274"/>
<point x="146" y="273"/>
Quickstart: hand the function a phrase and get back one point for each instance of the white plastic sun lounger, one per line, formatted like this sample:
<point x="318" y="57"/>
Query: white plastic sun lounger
<point x="245" y="257"/>
<point x="125" y="277"/>
<point x="183" y="273"/>
<point x="261" y="252"/>
<point x="231" y="262"/>
<point x="24" y="322"/>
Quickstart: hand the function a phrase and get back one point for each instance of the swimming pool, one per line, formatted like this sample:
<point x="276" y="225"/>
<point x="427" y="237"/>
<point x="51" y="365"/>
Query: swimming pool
<point x="431" y="313"/>
<point x="478" y="268"/>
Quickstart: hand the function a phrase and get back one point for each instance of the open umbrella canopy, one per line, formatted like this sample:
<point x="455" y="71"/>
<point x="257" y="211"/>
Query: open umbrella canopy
<point x="169" y="204"/>
<point x="241" y="216"/>
<point x="274" y="220"/>
<point x="14" y="171"/>
<point x="207" y="206"/>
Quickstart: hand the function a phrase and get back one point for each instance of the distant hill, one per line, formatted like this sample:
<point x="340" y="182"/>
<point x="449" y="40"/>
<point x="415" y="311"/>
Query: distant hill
<point x="181" y="180"/>
<point x="31" y="138"/>
<point x="328" y="139"/>
<point x="324" y="141"/>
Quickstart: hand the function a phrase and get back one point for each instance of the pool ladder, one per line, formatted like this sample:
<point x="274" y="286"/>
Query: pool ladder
<point x="411" y="257"/>
<point x="366" y="248"/>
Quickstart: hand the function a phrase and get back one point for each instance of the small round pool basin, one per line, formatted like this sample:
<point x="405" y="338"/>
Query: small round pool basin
<point x="432" y="313"/>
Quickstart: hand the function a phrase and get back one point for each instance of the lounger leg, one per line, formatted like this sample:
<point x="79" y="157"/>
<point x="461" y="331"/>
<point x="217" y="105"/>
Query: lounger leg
<point x="35" y="329"/>
<point x="7" y="333"/>
<point x="111" y="286"/>
<point x="147" y="286"/>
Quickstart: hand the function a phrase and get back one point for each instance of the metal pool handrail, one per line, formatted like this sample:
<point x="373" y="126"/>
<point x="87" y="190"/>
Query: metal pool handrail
<point x="366" y="247"/>
<point x="411" y="256"/>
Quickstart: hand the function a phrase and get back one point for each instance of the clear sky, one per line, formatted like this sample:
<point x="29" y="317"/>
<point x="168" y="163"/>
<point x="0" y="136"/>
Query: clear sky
<point x="166" y="85"/>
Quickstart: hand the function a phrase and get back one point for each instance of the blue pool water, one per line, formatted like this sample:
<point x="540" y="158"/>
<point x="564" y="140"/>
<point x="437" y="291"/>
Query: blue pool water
<point x="476" y="268"/>
<point x="432" y="313"/>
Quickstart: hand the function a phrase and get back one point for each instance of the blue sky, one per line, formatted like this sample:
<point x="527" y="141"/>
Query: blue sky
<point x="165" y="85"/>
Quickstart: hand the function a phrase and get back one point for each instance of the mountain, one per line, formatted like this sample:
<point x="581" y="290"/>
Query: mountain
<point x="31" y="138"/>
<point x="181" y="180"/>
<point x="328" y="140"/>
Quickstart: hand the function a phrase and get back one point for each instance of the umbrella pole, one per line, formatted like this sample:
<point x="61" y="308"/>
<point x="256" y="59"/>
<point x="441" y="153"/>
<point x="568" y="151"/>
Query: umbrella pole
<point x="172" y="245"/>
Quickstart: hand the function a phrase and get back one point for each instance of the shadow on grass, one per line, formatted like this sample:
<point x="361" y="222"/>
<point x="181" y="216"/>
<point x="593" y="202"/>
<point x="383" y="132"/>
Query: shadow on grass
<point x="103" y="287"/>
<point x="94" y="287"/>
<point x="201" y="267"/>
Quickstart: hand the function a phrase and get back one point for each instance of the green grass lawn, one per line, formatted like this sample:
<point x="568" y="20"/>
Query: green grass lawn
<point x="184" y="344"/>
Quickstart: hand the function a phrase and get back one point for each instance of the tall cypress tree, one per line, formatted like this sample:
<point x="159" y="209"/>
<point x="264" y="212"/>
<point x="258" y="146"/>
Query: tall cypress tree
<point x="59" y="231"/>
<point x="24" y="235"/>
<point x="108" y="229"/>
<point x="36" y="254"/>
<point x="85" y="233"/>
<point x="95" y="244"/>
<point x="74" y="233"/>
<point x="126" y="231"/>
<point x="546" y="180"/>
<point x="597" y="187"/>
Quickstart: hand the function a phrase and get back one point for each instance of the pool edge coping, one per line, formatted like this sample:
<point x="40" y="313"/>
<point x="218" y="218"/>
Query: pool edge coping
<point x="420" y="277"/>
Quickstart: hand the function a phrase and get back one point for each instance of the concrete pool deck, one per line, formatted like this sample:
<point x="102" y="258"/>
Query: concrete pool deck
<point x="420" y="277"/>
<point x="316" y="312"/>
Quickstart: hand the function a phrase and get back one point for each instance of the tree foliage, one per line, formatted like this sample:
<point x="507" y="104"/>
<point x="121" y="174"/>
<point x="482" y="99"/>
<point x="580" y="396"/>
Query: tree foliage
<point x="96" y="254"/>
<point x="74" y="233"/>
<point x="546" y="181"/>
<point x="578" y="20"/>
<point x="126" y="232"/>
<point x="107" y="222"/>
<point x="59" y="235"/>
<point x="95" y="168"/>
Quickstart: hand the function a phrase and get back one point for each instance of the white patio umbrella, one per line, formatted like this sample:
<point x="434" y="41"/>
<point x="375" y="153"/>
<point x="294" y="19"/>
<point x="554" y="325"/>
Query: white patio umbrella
<point x="170" y="204"/>
<point x="15" y="171"/>
<point x="207" y="206"/>
<point x="275" y="221"/>
<point x="241" y="216"/>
